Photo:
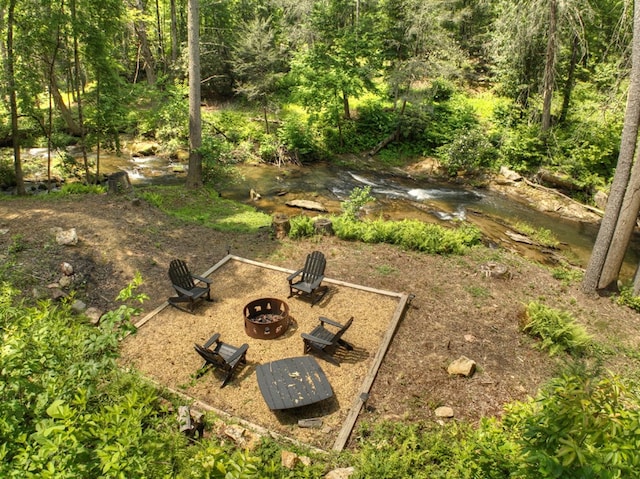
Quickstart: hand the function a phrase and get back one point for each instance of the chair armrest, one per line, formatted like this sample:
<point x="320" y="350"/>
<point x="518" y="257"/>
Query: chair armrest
<point x="211" y="340"/>
<point x="315" y="339"/>
<point x="292" y="276"/>
<point x="183" y="291"/>
<point x="331" y="322"/>
<point x="200" y="278"/>
<point x="242" y="350"/>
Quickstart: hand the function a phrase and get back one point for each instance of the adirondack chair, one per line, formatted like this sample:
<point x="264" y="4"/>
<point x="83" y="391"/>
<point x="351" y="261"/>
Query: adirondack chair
<point x="307" y="280"/>
<point x="185" y="285"/>
<point x="222" y="356"/>
<point x="325" y="342"/>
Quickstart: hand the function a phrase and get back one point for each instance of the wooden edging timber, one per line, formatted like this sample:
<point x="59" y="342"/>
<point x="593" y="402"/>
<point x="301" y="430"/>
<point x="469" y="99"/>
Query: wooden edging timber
<point x="363" y="395"/>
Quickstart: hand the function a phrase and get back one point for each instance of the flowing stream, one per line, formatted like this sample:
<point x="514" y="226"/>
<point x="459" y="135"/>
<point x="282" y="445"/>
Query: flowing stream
<point x="397" y="197"/>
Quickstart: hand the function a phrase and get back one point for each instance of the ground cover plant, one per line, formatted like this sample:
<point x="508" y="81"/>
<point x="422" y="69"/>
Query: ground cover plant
<point x="505" y="446"/>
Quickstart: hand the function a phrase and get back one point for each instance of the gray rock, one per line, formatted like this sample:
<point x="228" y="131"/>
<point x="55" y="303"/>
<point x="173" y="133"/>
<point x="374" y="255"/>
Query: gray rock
<point x="510" y="174"/>
<point x="306" y="205"/>
<point x="78" y="306"/>
<point x="600" y="199"/>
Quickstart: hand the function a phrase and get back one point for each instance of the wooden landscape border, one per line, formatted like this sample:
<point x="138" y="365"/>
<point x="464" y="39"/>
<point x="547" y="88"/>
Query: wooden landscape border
<point x="361" y="397"/>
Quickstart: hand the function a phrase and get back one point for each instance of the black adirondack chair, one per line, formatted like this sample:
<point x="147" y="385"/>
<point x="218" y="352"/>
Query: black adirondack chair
<point x="325" y="342"/>
<point x="185" y="285"/>
<point x="221" y="356"/>
<point x="308" y="280"/>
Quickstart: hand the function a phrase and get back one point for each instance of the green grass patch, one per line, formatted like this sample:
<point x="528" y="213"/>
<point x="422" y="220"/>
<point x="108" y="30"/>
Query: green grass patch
<point x="542" y="236"/>
<point x="205" y="207"/>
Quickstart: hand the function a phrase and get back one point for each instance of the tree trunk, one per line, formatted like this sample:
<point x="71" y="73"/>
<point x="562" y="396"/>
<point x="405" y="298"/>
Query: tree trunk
<point x="345" y="105"/>
<point x="194" y="176"/>
<point x="65" y="113"/>
<point x="568" y="86"/>
<point x="549" y="66"/>
<point x="78" y="89"/>
<point x="623" y="231"/>
<point x="174" y="33"/>
<point x="160" y="39"/>
<point x="626" y="156"/>
<point x="13" y="102"/>
<point x="266" y="119"/>
<point x="147" y="55"/>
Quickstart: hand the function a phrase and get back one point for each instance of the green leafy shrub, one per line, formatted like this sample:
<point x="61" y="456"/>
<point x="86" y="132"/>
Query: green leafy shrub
<point x="556" y="329"/>
<point x="301" y="227"/>
<point x="627" y="298"/>
<point x="470" y="151"/>
<point x="400" y="450"/>
<point x="67" y="410"/>
<point x="358" y="198"/>
<point x="7" y="172"/>
<point x="298" y="138"/>
<point x="584" y="427"/>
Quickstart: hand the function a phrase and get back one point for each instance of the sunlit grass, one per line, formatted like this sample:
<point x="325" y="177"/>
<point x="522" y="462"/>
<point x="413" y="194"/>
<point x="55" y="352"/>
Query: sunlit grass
<point x="205" y="207"/>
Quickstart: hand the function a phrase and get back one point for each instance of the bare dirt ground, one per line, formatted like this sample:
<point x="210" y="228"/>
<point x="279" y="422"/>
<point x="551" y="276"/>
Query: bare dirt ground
<point x="457" y="310"/>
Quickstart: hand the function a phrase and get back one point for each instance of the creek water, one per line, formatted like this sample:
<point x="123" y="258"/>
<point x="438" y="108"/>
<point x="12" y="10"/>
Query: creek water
<point x="398" y="196"/>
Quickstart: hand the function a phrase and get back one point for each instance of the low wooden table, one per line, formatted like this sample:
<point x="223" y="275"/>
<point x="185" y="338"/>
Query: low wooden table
<point x="292" y="382"/>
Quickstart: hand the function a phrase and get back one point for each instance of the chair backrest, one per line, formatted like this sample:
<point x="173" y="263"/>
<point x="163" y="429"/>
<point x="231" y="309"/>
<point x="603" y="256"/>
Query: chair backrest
<point x="314" y="266"/>
<point x="212" y="357"/>
<point x="342" y="330"/>
<point x="180" y="275"/>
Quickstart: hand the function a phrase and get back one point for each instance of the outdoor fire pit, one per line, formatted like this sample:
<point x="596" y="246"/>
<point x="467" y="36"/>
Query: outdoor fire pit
<point x="266" y="318"/>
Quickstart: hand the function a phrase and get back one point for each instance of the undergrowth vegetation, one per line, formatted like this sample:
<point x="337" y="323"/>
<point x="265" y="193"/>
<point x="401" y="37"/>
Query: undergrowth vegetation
<point x="205" y="207"/>
<point x="68" y="410"/>
<point x="557" y="330"/>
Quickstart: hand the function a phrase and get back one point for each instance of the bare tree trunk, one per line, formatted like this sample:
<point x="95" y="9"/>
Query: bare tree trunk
<point x="13" y="102"/>
<point x="65" y="113"/>
<point x="568" y="86"/>
<point x="623" y="231"/>
<point x="160" y="39"/>
<point x="145" y="50"/>
<point x="266" y="119"/>
<point x="79" y="89"/>
<point x="194" y="176"/>
<point x="626" y="156"/>
<point x="345" y="104"/>
<point x="549" y="67"/>
<point x="174" y="33"/>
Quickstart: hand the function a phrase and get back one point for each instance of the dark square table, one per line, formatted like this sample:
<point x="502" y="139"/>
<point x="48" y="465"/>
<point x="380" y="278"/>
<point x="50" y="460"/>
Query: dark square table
<point x="292" y="382"/>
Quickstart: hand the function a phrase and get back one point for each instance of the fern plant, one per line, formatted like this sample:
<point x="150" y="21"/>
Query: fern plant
<point x="556" y="329"/>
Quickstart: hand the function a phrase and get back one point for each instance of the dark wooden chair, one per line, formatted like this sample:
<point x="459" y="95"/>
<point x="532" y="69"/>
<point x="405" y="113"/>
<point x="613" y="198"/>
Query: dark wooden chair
<point x="185" y="285"/>
<point x="324" y="342"/>
<point x="308" y="280"/>
<point x="222" y="356"/>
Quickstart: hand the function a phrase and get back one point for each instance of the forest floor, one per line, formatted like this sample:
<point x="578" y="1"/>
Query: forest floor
<point x="456" y="310"/>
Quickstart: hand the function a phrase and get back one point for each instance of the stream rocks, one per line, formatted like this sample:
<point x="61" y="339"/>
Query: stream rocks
<point x="307" y="205"/>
